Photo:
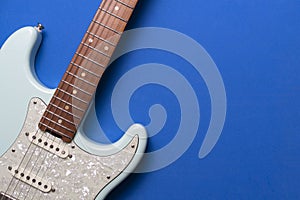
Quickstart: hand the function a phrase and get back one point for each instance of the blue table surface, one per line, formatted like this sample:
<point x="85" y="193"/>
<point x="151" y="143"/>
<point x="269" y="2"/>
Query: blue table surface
<point x="256" y="47"/>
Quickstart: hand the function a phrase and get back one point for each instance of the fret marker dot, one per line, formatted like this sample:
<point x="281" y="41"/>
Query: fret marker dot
<point x="106" y="48"/>
<point x="117" y="8"/>
<point x="67" y="107"/>
<point x="91" y="40"/>
<point x="59" y="121"/>
<point x="74" y="91"/>
<point x="83" y="74"/>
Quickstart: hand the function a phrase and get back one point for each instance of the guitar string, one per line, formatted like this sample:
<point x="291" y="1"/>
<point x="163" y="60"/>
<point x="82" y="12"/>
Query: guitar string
<point x="97" y="42"/>
<point x="65" y="96"/>
<point x="58" y="105"/>
<point x="55" y="161"/>
<point x="42" y="151"/>
<point x="91" y="27"/>
<point x="98" y="29"/>
<point x="18" y="169"/>
<point x="26" y="153"/>
<point x="29" y="160"/>
<point x="43" y="161"/>
<point x="87" y="67"/>
<point x="21" y="184"/>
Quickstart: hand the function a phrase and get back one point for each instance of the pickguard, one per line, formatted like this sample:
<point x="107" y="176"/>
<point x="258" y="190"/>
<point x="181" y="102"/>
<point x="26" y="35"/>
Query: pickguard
<point x="89" y="171"/>
<point x="80" y="175"/>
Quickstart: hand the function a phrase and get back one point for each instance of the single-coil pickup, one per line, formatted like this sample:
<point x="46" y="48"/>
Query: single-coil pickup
<point x="40" y="139"/>
<point x="30" y="179"/>
<point x="6" y="196"/>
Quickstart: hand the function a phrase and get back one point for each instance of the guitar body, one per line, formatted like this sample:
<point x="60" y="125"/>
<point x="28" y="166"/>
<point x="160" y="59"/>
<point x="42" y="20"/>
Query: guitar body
<point x="37" y="165"/>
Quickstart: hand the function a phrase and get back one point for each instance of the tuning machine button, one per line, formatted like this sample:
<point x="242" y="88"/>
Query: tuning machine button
<point x="39" y="27"/>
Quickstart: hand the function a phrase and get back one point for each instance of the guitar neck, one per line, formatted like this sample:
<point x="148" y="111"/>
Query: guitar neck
<point x="78" y="85"/>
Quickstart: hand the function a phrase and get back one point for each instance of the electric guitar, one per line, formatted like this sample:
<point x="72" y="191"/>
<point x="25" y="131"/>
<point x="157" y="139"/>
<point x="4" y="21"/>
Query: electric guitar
<point x="49" y="156"/>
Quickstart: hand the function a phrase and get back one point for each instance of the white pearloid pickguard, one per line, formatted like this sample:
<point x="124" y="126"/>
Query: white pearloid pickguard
<point x="80" y="176"/>
<point x="90" y="172"/>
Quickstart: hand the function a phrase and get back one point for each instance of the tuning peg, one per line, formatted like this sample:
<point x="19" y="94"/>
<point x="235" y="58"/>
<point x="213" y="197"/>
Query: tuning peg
<point x="39" y="27"/>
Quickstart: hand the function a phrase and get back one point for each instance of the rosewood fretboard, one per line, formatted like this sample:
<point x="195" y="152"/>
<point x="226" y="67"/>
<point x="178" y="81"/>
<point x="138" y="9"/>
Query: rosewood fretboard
<point x="78" y="85"/>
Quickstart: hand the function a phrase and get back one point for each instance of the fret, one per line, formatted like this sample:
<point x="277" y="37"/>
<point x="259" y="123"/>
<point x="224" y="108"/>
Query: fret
<point x="100" y="38"/>
<point x="109" y="20"/>
<point x="98" y="46"/>
<point x="81" y="79"/>
<point x="53" y="108"/>
<point x="119" y="10"/>
<point x="114" y="15"/>
<point x="96" y="50"/>
<point x="87" y="70"/>
<point x="73" y="96"/>
<point x="50" y="127"/>
<point x="68" y="103"/>
<point x="56" y="123"/>
<point x="105" y="33"/>
<point x="47" y="112"/>
<point x="130" y="3"/>
<point x="107" y="27"/>
<point x="83" y="74"/>
<point x="72" y="101"/>
<point x="87" y="65"/>
<point x="79" y="83"/>
<point x="95" y="55"/>
<point x="76" y="93"/>
<point x="91" y="60"/>
<point x="78" y="88"/>
<point x="125" y="4"/>
<point x="63" y="110"/>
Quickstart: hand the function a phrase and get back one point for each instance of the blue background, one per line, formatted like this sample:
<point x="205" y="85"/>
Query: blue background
<point x="256" y="46"/>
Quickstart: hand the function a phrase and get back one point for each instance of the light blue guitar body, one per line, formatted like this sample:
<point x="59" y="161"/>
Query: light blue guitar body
<point x="90" y="170"/>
